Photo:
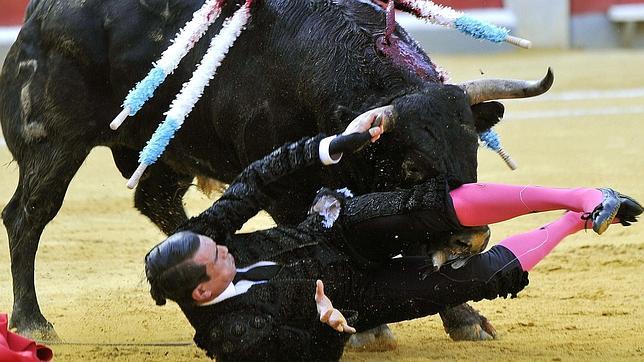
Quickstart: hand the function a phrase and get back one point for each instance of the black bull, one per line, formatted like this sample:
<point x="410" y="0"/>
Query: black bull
<point x="301" y="67"/>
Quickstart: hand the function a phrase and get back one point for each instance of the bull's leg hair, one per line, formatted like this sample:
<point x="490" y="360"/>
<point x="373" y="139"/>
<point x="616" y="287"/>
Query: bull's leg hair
<point x="159" y="196"/>
<point x="43" y="180"/>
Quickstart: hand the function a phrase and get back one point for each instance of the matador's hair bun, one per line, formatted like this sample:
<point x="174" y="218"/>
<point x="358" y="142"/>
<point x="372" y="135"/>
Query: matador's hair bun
<point x="170" y="270"/>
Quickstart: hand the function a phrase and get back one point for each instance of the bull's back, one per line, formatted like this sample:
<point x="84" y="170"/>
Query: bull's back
<point x="56" y="77"/>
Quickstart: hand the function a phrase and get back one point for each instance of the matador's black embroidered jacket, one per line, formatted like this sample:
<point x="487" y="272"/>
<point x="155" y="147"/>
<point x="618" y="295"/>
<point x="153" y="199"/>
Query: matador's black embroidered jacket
<point x="278" y="320"/>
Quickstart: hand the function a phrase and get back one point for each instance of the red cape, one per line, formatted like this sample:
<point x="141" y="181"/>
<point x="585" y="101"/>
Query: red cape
<point x="16" y="348"/>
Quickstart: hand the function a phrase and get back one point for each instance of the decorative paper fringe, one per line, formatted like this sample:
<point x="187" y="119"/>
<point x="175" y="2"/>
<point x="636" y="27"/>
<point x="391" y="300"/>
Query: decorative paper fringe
<point x="481" y="30"/>
<point x="491" y="140"/>
<point x="446" y="16"/>
<point x="159" y="141"/>
<point x="219" y="46"/>
<point x="144" y="90"/>
<point x="190" y="35"/>
<point x="193" y="89"/>
<point x="181" y="45"/>
<point x="437" y="14"/>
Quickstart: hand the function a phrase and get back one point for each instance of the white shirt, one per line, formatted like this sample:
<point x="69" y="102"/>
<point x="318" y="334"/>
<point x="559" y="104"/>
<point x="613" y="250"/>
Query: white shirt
<point x="241" y="287"/>
<point x="323" y="150"/>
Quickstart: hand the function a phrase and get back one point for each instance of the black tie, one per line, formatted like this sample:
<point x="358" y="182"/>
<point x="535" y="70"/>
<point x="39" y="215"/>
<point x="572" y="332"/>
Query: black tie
<point x="265" y="272"/>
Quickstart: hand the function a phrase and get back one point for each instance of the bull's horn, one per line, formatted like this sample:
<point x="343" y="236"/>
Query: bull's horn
<point x="386" y="118"/>
<point x="489" y="89"/>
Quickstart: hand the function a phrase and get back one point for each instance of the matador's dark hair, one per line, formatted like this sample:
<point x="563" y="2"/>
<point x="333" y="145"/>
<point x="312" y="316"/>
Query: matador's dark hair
<point x="170" y="270"/>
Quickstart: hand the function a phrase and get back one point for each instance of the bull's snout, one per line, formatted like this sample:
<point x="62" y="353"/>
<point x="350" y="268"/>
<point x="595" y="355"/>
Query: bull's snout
<point x="479" y="237"/>
<point x="461" y="246"/>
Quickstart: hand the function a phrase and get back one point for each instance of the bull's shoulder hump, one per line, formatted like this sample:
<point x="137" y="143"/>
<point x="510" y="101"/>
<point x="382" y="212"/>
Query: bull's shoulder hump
<point x="91" y="28"/>
<point x="52" y="19"/>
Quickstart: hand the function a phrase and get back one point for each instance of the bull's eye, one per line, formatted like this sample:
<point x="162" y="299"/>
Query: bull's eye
<point x="469" y="129"/>
<point x="429" y="130"/>
<point x="381" y="45"/>
<point x="461" y="243"/>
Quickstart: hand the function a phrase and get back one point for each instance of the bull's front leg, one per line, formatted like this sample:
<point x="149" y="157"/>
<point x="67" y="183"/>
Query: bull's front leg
<point x="464" y="323"/>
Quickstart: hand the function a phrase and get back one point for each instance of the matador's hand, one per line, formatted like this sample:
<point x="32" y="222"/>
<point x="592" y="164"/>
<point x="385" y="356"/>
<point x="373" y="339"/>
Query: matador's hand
<point x="382" y="117"/>
<point x="363" y="123"/>
<point x="362" y="130"/>
<point x="328" y="314"/>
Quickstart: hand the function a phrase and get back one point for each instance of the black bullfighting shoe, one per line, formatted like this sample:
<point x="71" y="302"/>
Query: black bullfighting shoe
<point x="604" y="213"/>
<point x="629" y="209"/>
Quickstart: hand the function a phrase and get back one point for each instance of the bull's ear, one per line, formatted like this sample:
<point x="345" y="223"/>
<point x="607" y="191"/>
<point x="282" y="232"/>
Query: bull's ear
<point x="487" y="114"/>
<point x="344" y="113"/>
<point x="342" y="116"/>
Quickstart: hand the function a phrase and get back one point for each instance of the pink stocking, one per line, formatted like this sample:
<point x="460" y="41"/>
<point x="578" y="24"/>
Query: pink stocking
<point x="488" y="203"/>
<point x="531" y="247"/>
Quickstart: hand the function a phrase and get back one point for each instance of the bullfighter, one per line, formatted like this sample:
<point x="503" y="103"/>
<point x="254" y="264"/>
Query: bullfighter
<point x="260" y="296"/>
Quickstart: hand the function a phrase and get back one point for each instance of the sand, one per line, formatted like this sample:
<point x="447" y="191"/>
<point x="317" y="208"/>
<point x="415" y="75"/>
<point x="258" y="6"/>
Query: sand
<point x="584" y="302"/>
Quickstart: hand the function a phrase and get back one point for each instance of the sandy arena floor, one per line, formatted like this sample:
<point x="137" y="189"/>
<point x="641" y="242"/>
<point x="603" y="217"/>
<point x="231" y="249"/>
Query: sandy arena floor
<point x="584" y="301"/>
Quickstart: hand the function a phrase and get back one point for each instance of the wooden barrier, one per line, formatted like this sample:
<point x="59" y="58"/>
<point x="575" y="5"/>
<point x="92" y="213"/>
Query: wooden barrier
<point x="627" y="16"/>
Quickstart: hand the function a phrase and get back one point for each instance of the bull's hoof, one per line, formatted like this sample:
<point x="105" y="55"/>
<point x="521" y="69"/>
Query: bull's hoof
<point x="474" y="332"/>
<point x="464" y="323"/>
<point x="42" y="331"/>
<point x="46" y="335"/>
<point x="378" y="339"/>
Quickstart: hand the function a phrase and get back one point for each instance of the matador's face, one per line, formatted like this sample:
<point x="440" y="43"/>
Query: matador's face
<point x="220" y="268"/>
